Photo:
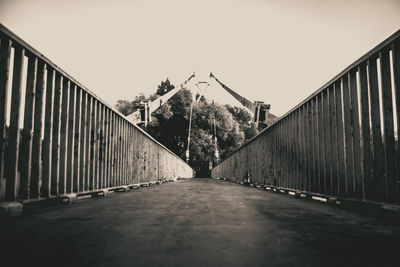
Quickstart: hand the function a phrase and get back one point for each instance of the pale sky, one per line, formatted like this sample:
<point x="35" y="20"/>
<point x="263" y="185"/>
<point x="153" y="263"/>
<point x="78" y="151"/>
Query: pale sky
<point x="274" y="51"/>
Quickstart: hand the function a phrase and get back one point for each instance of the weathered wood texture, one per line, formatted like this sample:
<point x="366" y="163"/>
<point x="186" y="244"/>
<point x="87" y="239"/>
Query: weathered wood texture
<point x="343" y="140"/>
<point x="69" y="141"/>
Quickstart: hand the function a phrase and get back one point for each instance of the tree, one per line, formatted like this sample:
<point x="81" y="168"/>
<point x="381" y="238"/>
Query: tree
<point x="164" y="87"/>
<point x="229" y="126"/>
<point x="243" y="117"/>
<point x="170" y="122"/>
<point x="170" y="126"/>
<point x="127" y="107"/>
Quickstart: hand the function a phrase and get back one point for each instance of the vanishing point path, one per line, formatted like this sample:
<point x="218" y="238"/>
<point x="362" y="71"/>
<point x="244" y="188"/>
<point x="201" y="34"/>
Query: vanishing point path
<point x="197" y="222"/>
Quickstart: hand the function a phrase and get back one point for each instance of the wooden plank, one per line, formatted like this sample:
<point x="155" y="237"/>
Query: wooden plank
<point x="131" y="156"/>
<point x="284" y="152"/>
<point x="388" y="123"/>
<point x="348" y="134"/>
<point x="96" y="147"/>
<point x="396" y="79"/>
<point x="297" y="151"/>
<point x="288" y="138"/>
<point x="117" y="151"/>
<point x="78" y="139"/>
<point x="311" y="146"/>
<point x="71" y="139"/>
<point x="378" y="152"/>
<point x="26" y="140"/>
<point x="316" y="184"/>
<point x="63" y="136"/>
<point x="340" y="138"/>
<point x="278" y="154"/>
<point x="128" y="156"/>
<point x="124" y="158"/>
<point x="334" y="141"/>
<point x="11" y="161"/>
<point x="291" y="136"/>
<point x="119" y="148"/>
<point x="127" y="145"/>
<point x="288" y="153"/>
<point x="328" y="143"/>
<point x="112" y="150"/>
<point x="5" y="55"/>
<point x="281" y="153"/>
<point x="358" y="186"/>
<point x="48" y="138"/>
<point x="55" y="154"/>
<point x="107" y="148"/>
<point x="36" y="171"/>
<point x="294" y="163"/>
<point x="101" y="147"/>
<point x="88" y="140"/>
<point x="321" y="146"/>
<point x="83" y="144"/>
<point x="366" y="153"/>
<point x="114" y="146"/>
<point x="305" y="148"/>
<point x="122" y="149"/>
<point x="92" y="158"/>
<point x="301" y="146"/>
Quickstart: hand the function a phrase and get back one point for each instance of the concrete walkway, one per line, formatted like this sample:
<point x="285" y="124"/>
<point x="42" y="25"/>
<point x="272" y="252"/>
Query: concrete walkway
<point x="197" y="222"/>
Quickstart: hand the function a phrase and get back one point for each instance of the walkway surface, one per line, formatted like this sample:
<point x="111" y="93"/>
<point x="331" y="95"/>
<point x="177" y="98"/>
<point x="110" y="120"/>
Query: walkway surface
<point x="197" y="222"/>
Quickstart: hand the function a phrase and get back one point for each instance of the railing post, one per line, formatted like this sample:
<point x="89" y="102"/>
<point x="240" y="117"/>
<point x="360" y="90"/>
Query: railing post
<point x="379" y="156"/>
<point x="321" y="146"/>
<point x="48" y="138"/>
<point x="5" y="55"/>
<point x="334" y="140"/>
<point x="83" y="141"/>
<point x="348" y="126"/>
<point x="358" y="187"/>
<point x="36" y="171"/>
<point x="63" y="136"/>
<point x="55" y="154"/>
<point x="310" y="150"/>
<point x="366" y="156"/>
<point x="396" y="79"/>
<point x="11" y="162"/>
<point x="70" y="171"/>
<point x="78" y="139"/>
<point x="89" y="146"/>
<point x="327" y="143"/>
<point x="25" y="158"/>
<point x="390" y="158"/>
<point x="316" y="175"/>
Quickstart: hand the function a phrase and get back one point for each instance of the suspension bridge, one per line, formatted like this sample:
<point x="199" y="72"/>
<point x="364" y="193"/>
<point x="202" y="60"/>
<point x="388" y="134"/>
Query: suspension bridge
<point x="336" y="150"/>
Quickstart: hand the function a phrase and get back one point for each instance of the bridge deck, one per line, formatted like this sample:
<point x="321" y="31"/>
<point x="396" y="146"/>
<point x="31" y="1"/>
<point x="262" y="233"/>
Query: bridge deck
<point x="197" y="222"/>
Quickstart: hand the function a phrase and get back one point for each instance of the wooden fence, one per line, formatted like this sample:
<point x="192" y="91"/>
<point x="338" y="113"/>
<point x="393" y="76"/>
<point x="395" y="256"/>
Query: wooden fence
<point x="57" y="137"/>
<point x="341" y="141"/>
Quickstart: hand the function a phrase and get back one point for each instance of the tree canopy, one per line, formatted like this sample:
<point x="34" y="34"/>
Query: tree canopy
<point x="229" y="126"/>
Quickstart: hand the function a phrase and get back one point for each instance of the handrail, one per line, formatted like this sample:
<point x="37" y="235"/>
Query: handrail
<point x="32" y="50"/>
<point x="328" y="143"/>
<point x="71" y="141"/>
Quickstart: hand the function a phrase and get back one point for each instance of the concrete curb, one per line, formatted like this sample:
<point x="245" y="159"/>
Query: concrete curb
<point x="9" y="209"/>
<point x="387" y="212"/>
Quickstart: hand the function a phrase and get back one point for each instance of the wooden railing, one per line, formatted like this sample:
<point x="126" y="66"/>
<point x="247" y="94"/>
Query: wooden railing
<point x="340" y="141"/>
<point x="57" y="137"/>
